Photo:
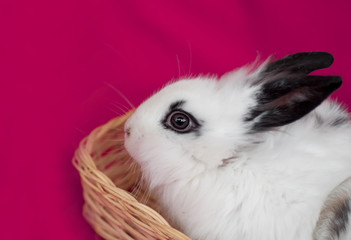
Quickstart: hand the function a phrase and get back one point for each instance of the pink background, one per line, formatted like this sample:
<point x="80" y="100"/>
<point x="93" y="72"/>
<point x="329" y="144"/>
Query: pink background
<point x="58" y="57"/>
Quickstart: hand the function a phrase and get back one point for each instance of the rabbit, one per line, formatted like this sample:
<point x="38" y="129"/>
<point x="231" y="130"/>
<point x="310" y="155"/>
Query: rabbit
<point x="253" y="154"/>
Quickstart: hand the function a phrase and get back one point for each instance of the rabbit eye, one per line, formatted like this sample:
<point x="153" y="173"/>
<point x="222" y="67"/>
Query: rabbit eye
<point x="180" y="121"/>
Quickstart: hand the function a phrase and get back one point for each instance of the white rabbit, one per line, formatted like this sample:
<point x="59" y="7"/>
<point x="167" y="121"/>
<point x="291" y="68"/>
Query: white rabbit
<point x="251" y="155"/>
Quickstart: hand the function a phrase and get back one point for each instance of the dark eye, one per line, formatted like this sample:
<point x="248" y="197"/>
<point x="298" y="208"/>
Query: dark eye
<point x="180" y="121"/>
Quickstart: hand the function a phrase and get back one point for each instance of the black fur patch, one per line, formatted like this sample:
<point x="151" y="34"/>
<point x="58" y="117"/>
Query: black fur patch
<point x="287" y="93"/>
<point x="305" y="62"/>
<point x="176" y="105"/>
<point x="281" y="104"/>
<point x="341" y="218"/>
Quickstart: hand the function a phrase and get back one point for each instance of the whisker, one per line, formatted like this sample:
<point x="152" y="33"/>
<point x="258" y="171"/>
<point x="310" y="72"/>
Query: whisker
<point x="178" y="65"/>
<point x="190" y="57"/>
<point x="120" y="107"/>
<point x="147" y="195"/>
<point x="120" y="94"/>
<point x="118" y="113"/>
<point x="132" y="166"/>
<point x="136" y="190"/>
<point x="133" y="169"/>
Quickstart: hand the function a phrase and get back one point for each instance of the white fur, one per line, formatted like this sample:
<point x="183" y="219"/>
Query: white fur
<point x="276" y="181"/>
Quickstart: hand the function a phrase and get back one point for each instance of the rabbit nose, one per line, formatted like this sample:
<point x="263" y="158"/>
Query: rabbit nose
<point x="127" y="132"/>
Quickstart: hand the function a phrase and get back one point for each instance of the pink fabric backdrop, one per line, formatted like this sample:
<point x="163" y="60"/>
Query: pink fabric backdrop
<point x="57" y="59"/>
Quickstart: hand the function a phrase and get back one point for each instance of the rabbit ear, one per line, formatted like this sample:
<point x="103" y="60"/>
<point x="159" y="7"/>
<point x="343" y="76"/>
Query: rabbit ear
<point x="286" y="93"/>
<point x="335" y="217"/>
<point x="305" y="62"/>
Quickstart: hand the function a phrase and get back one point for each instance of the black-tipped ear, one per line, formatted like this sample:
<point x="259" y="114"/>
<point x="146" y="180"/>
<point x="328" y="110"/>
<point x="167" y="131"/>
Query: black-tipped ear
<point x="287" y="93"/>
<point x="305" y="62"/>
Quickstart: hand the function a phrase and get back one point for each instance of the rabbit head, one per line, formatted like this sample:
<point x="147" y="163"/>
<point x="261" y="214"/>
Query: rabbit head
<point x="203" y="123"/>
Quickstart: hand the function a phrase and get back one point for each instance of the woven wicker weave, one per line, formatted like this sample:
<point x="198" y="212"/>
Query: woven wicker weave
<point x="117" y="205"/>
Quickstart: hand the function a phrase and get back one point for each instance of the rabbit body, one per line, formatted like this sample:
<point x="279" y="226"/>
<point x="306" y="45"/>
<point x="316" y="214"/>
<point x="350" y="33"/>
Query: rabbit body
<point x="237" y="174"/>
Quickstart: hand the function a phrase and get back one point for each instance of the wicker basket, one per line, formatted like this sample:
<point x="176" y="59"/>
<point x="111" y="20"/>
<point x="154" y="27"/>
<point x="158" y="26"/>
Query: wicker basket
<point x="117" y="205"/>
